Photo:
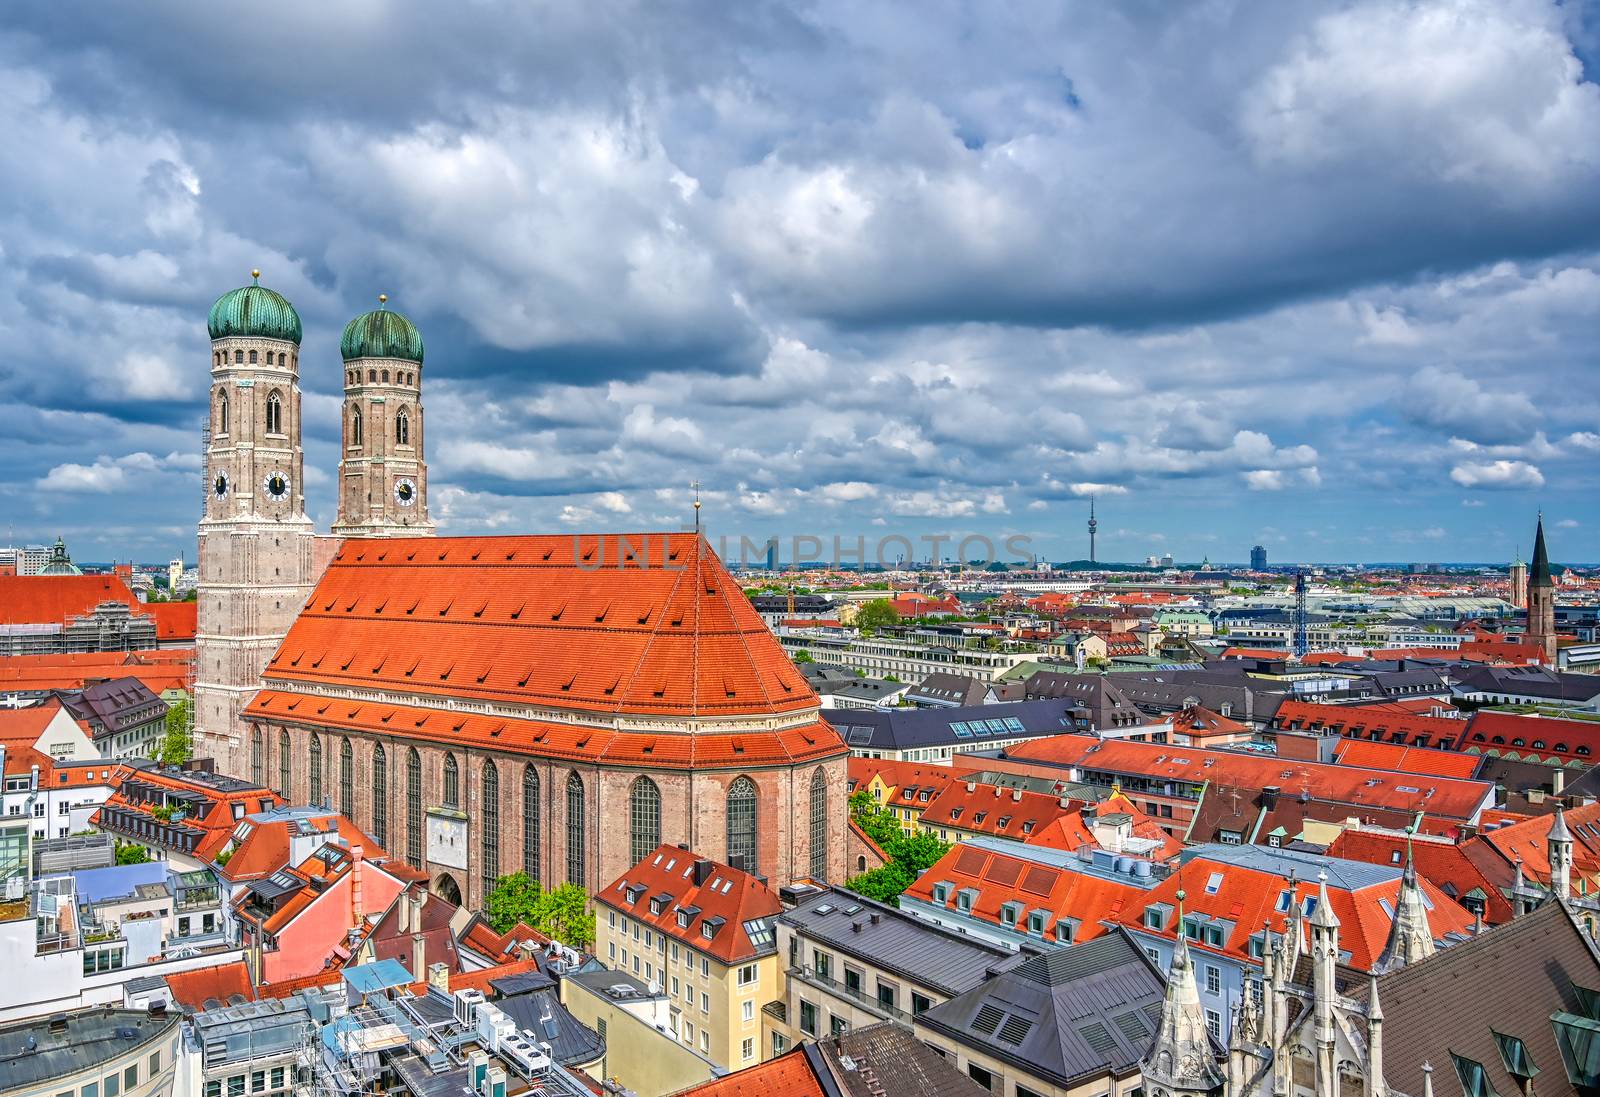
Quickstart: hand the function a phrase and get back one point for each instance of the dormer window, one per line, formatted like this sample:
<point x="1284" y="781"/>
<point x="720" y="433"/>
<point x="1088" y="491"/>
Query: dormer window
<point x="707" y="930"/>
<point x="683" y="919"/>
<point x="1009" y="913"/>
<point x="656" y="906"/>
<point x="941" y="893"/>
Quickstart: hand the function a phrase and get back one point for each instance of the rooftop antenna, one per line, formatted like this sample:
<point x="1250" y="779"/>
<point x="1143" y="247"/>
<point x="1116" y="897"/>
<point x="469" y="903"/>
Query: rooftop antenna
<point x="1094" y="524"/>
<point x="1302" y="641"/>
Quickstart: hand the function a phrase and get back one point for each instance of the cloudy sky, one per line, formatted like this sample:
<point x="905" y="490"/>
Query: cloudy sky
<point x="1323" y="277"/>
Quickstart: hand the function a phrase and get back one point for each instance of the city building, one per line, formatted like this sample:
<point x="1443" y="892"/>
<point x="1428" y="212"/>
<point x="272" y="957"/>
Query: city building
<point x="115" y="1052"/>
<point x="1541" y="599"/>
<point x="1069" y="1022"/>
<point x="52" y="614"/>
<point x="882" y="1060"/>
<point x="185" y="815"/>
<point x="125" y="718"/>
<point x="938" y="734"/>
<point x="28" y="560"/>
<point x="702" y="933"/>
<point x="1258" y="558"/>
<point x="967" y="809"/>
<point x="852" y="963"/>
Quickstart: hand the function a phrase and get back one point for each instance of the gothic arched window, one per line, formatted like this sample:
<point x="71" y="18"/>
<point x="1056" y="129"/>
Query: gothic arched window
<point x="283" y="766"/>
<point x="402" y="428"/>
<point x="575" y="829"/>
<point x="252" y="358"/>
<point x="274" y="413"/>
<point x="644" y="819"/>
<point x="530" y="822"/>
<point x="315" y="793"/>
<point x="372" y="376"/>
<point x="386" y="377"/>
<point x="255" y="755"/>
<point x="347" y="791"/>
<point x="414" y="808"/>
<point x="380" y="796"/>
<point x="819" y="825"/>
<point x="355" y="426"/>
<point x="490" y="835"/>
<point x="742" y="825"/>
<point x="452" y="782"/>
<point x="222" y="411"/>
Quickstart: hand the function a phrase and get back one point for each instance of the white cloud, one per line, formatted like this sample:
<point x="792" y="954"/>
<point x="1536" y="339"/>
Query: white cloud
<point x="1497" y="474"/>
<point x="98" y="478"/>
<point x="1449" y="401"/>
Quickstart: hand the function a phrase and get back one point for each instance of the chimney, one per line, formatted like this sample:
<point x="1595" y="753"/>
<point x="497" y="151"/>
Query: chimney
<point x="1558" y="780"/>
<point x="1269" y="797"/>
<point x="972" y="786"/>
<point x="439" y="977"/>
<point x="419" y="956"/>
<point x="357" y="910"/>
<point x="1016" y="795"/>
<point x="702" y="871"/>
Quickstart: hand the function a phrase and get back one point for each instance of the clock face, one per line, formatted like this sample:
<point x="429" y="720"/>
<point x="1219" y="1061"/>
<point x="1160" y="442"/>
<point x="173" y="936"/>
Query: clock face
<point x="220" y="484"/>
<point x="276" y="485"/>
<point x="405" y="491"/>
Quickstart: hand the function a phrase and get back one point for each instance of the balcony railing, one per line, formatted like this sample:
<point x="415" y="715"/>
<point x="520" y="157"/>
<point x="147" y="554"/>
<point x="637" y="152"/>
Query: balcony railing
<point x="866" y="1001"/>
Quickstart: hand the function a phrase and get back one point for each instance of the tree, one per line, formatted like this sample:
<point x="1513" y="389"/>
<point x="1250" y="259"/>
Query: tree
<point x="884" y="883"/>
<point x="177" y="744"/>
<point x="909" y="854"/>
<point x="876" y="614"/>
<point x="803" y="656"/>
<point x="562" y="914"/>
<point x="130" y="854"/>
<point x="877" y="822"/>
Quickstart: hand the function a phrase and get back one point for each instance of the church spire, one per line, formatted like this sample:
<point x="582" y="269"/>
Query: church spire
<point x="1181" y="1061"/>
<point x="1541" y="558"/>
<point x="1410" y="938"/>
<point x="1558" y="843"/>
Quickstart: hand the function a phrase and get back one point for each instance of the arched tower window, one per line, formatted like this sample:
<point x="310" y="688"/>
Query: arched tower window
<point x="283" y="766"/>
<point x="255" y="755"/>
<point x="575" y="829"/>
<point x="490" y="837"/>
<point x="355" y="426"/>
<point x="315" y="793"/>
<point x="819" y="825"/>
<point x="347" y="783"/>
<point x="274" y="413"/>
<point x="644" y="819"/>
<point x="452" y="782"/>
<point x="222" y="411"/>
<point x="380" y="796"/>
<point x="742" y="825"/>
<point x="414" y="808"/>
<point x="402" y="428"/>
<point x="372" y="376"/>
<point x="530" y="822"/>
<point x="386" y="377"/>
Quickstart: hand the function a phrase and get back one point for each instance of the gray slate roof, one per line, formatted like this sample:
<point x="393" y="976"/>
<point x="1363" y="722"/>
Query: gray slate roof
<point x="1065" y="1015"/>
<point x="895" y="941"/>
<point x="89" y="1038"/>
<point x="909" y="728"/>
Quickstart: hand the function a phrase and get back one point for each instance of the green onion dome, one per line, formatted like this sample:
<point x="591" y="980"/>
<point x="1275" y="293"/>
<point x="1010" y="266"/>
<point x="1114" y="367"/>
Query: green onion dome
<point x="254" y="310"/>
<point x="381" y="334"/>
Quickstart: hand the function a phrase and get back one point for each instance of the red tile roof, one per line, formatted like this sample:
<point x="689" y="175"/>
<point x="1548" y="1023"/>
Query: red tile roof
<point x="174" y="620"/>
<point x="1000" y="878"/>
<point x="1247" y="898"/>
<point x="159" y="670"/>
<point x="1403" y="759"/>
<point x="1447" y="798"/>
<point x="564" y="622"/>
<point x="1200" y="723"/>
<point x="214" y="827"/>
<point x="265" y="849"/>
<point x="1543" y="737"/>
<point x="903" y="778"/>
<point x="54" y="599"/>
<point x="1254" y="653"/>
<point x="193" y="989"/>
<point x="786" y="1076"/>
<point x="1363" y="722"/>
<point x="990" y="809"/>
<point x="1529" y="841"/>
<point x="1439" y="861"/>
<point x="733" y="896"/>
<point x="575" y="742"/>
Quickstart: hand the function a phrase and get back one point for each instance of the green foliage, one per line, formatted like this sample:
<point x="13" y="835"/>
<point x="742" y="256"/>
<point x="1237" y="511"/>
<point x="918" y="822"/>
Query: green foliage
<point x="883" y="884"/>
<point x="876" y="614"/>
<point x="803" y="656"/>
<point x="162" y="812"/>
<point x="909" y="854"/>
<point x="177" y="745"/>
<point x="130" y="854"/>
<point x="562" y="913"/>
<point x="890" y="678"/>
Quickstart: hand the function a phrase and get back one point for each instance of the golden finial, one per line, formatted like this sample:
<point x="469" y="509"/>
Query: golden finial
<point x="696" y="486"/>
<point x="255" y="275"/>
<point x="383" y="300"/>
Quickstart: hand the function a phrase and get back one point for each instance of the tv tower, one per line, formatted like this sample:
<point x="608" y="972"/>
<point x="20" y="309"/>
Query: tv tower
<point x="1094" y="524"/>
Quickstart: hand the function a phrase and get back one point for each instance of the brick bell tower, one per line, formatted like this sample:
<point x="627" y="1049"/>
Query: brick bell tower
<point x="256" y="567"/>
<point x="383" y="476"/>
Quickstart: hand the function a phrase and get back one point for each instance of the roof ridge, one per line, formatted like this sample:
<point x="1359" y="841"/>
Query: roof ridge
<point x="644" y="652"/>
<point x="733" y="618"/>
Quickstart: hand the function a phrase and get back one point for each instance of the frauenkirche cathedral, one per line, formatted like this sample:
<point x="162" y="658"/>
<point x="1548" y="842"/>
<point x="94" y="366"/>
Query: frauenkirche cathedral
<point x="480" y="705"/>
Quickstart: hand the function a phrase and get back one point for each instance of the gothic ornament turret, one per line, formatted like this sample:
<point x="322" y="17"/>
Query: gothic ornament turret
<point x="1182" y="1063"/>
<point x="1410" y="938"/>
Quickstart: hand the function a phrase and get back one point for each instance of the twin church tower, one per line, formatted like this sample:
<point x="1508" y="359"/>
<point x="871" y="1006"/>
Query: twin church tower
<point x="259" y="553"/>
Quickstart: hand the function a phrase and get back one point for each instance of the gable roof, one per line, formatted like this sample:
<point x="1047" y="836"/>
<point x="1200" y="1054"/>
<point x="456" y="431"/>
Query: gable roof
<point x="644" y="624"/>
<point x="691" y="895"/>
<point x="1440" y="861"/>
<point x="989" y="809"/>
<point x="1547" y="738"/>
<point x="1064" y="1015"/>
<point x="219" y="984"/>
<point x="55" y="599"/>
<point x="1367" y="722"/>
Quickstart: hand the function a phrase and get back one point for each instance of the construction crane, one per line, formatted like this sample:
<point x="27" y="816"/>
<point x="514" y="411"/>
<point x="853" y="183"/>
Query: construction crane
<point x="1302" y="641"/>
